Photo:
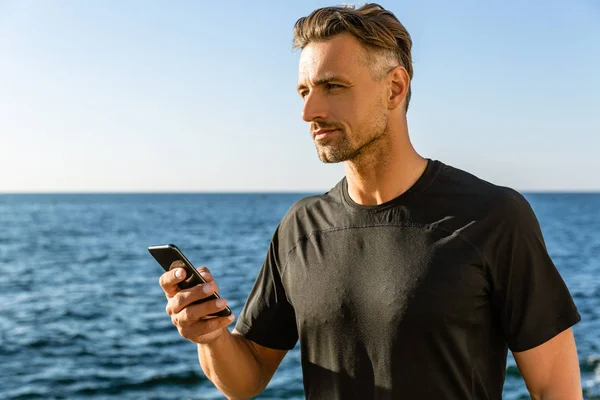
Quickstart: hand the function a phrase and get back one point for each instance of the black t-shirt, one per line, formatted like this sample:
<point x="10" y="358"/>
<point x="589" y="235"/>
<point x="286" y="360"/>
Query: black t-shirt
<point x="416" y="298"/>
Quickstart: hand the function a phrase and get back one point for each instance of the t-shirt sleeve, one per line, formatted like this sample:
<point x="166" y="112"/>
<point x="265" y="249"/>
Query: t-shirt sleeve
<point x="531" y="298"/>
<point x="268" y="318"/>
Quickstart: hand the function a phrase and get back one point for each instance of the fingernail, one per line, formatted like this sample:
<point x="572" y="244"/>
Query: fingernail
<point x="231" y="317"/>
<point x="206" y="289"/>
<point x="178" y="273"/>
<point x="220" y="303"/>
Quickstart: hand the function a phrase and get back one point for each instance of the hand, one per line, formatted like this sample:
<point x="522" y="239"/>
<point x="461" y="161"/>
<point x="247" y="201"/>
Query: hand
<point x="193" y="321"/>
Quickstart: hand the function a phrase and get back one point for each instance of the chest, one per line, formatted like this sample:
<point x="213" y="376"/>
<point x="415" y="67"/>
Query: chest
<point x="383" y="277"/>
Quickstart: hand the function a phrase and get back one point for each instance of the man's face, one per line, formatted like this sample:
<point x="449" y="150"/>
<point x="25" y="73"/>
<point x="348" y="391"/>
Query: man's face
<point x="344" y="105"/>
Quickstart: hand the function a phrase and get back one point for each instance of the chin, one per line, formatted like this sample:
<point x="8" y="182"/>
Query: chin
<point x="328" y="158"/>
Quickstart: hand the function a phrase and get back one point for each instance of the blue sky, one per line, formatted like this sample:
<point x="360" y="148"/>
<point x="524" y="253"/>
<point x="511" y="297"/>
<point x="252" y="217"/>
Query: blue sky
<point x="200" y="95"/>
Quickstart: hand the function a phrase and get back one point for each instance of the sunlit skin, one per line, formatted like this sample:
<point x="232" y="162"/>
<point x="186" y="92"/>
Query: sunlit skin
<point x="368" y="115"/>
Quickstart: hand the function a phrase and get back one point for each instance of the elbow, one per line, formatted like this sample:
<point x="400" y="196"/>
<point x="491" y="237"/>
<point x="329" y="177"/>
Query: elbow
<point x="240" y="393"/>
<point x="241" y="397"/>
<point x="249" y="388"/>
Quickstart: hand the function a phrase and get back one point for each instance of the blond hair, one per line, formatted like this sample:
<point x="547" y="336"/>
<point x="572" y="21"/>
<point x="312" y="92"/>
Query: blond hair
<point x="386" y="40"/>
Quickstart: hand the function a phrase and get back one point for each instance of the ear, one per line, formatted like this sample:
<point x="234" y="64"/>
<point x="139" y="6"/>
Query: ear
<point x="399" y="82"/>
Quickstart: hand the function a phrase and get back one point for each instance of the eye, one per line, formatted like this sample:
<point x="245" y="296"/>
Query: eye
<point x="331" y="86"/>
<point x="303" y="93"/>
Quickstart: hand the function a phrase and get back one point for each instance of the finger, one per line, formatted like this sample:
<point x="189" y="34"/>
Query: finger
<point x="205" y="274"/>
<point x="194" y="313"/>
<point x="199" y="328"/>
<point x="208" y="277"/>
<point x="187" y="296"/>
<point x="168" y="281"/>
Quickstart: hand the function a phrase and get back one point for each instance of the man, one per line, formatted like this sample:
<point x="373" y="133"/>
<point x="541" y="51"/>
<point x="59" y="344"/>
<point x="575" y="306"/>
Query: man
<point x="409" y="279"/>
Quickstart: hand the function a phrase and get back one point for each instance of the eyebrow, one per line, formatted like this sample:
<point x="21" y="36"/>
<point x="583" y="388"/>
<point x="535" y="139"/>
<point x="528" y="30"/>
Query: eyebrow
<point x="327" y="78"/>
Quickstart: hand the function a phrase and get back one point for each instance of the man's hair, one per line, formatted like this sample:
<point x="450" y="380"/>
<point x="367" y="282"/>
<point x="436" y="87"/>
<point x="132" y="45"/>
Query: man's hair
<point x="385" y="39"/>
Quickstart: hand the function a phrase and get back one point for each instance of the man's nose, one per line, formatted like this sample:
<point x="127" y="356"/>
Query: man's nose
<point x="314" y="107"/>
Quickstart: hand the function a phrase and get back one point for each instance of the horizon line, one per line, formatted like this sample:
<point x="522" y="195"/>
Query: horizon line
<point x="531" y="191"/>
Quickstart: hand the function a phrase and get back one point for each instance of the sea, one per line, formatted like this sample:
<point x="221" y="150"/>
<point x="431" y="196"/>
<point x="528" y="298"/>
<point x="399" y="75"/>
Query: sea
<point x="82" y="315"/>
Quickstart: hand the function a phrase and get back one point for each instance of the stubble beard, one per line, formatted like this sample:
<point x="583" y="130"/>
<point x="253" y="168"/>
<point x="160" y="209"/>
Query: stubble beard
<point x="339" y="148"/>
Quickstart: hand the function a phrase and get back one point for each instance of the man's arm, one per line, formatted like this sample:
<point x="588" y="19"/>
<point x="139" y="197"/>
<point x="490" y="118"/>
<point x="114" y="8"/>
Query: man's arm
<point x="238" y="367"/>
<point x="551" y="370"/>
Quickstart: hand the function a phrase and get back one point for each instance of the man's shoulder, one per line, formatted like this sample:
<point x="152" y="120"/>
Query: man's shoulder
<point x="314" y="205"/>
<point x="462" y="190"/>
<point x="310" y="214"/>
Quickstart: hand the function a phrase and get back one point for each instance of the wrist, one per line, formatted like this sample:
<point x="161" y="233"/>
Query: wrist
<point x="219" y="338"/>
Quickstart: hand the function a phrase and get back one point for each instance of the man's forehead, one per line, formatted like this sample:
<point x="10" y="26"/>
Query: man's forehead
<point x="331" y="57"/>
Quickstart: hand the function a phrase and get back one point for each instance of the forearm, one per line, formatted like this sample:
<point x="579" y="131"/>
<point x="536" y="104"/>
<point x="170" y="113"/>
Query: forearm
<point x="231" y="365"/>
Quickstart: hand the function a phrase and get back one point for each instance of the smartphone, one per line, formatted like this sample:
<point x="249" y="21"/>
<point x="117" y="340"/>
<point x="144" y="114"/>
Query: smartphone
<point x="169" y="253"/>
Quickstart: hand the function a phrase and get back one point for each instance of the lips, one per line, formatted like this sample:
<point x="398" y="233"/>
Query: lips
<point x="323" y="133"/>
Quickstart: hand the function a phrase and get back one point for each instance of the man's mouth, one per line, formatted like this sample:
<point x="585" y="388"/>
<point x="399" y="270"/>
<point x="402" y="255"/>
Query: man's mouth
<point x="321" y="134"/>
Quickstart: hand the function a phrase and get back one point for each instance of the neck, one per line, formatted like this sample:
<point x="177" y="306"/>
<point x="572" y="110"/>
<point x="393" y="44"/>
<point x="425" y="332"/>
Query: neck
<point x="384" y="171"/>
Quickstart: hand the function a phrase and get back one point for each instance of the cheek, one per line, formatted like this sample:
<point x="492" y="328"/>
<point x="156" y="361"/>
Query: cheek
<point x="350" y="113"/>
<point x="376" y="114"/>
<point x="359" y="115"/>
<point x="365" y="117"/>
